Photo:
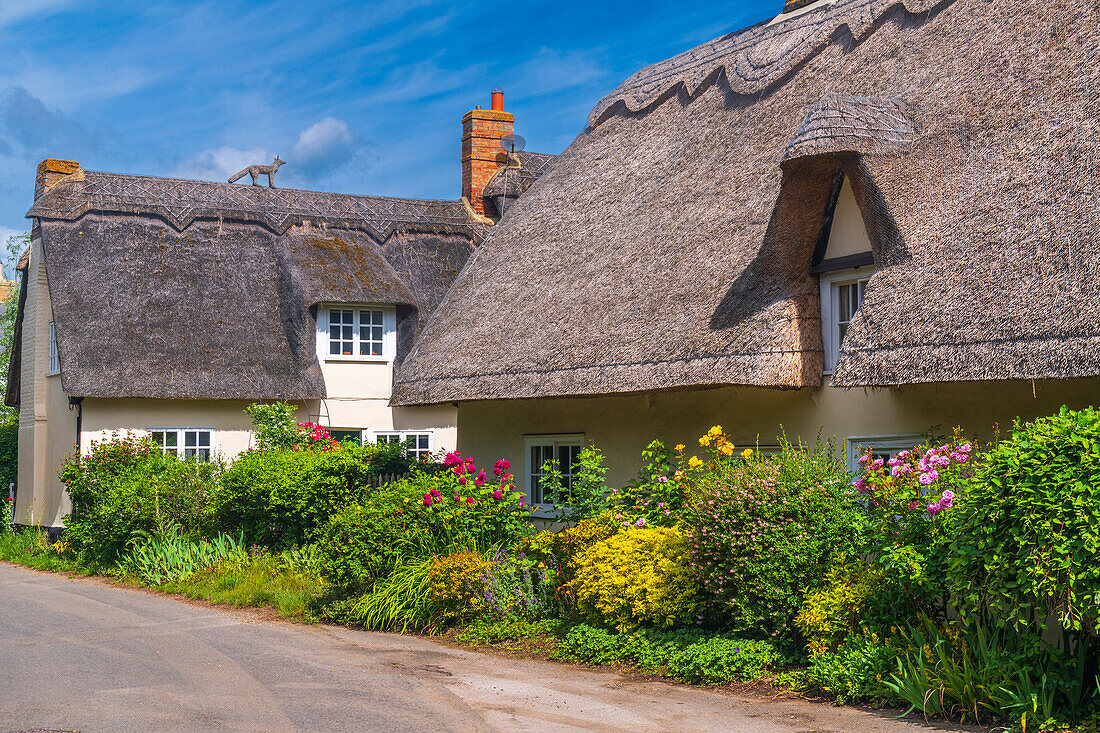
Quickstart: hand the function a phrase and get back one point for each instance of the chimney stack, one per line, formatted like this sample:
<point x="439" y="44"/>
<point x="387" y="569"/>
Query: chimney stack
<point x="482" y="130"/>
<point x="50" y="171"/>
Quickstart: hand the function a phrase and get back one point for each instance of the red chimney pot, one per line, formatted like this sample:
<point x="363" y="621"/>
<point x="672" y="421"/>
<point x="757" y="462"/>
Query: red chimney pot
<point x="498" y="99"/>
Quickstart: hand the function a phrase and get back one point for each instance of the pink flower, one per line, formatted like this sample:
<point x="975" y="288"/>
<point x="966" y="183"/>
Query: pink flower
<point x="462" y="480"/>
<point x="640" y="522"/>
<point x="496" y="470"/>
<point x="434" y="492"/>
<point x="459" y="470"/>
<point x="662" y="479"/>
<point x="497" y="495"/>
<point x="864" y="459"/>
<point x="914" y="504"/>
<point x="427" y="500"/>
<point x="522" y="504"/>
<point x="480" y="479"/>
<point x="929" y="477"/>
<point x="470" y="500"/>
<point x="453" y="458"/>
<point x="503" y="464"/>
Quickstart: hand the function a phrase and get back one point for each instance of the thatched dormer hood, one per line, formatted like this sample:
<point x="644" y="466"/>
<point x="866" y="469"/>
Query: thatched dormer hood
<point x="670" y="245"/>
<point x="167" y="288"/>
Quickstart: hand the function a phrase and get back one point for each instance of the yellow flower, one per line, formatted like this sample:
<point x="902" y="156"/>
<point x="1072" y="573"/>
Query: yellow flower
<point x="746" y="454"/>
<point x="715" y="431"/>
<point x="705" y="440"/>
<point x="678" y="475"/>
<point x="694" y="462"/>
<point x="727" y="448"/>
<point x="679" y="447"/>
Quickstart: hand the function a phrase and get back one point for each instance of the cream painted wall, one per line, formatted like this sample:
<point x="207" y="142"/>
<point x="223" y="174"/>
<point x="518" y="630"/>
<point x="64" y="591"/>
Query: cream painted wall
<point x="47" y="427"/>
<point x="231" y="424"/>
<point x="359" y="394"/>
<point x="848" y="235"/>
<point x="621" y="425"/>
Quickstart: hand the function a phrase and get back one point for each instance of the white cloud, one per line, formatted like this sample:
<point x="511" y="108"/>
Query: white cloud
<point x="323" y="147"/>
<point x="221" y="163"/>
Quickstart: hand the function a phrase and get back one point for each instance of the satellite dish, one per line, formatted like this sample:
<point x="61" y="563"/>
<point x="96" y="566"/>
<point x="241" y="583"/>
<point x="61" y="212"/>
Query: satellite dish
<point x="512" y="143"/>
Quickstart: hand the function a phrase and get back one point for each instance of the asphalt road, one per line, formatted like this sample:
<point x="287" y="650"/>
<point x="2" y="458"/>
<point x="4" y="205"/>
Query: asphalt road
<point x="81" y="655"/>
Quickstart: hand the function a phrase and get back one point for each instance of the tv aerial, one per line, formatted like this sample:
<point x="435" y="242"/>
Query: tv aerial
<point x="513" y="143"/>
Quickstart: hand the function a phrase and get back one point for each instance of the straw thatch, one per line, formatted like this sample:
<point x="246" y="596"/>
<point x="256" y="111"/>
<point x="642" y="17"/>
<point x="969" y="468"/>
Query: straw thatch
<point x="670" y="246"/>
<point x="183" y="289"/>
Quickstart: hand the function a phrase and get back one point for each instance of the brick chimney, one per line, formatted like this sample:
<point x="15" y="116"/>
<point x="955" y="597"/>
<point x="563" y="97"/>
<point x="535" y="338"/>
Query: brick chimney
<point x="50" y="171"/>
<point x="482" y="130"/>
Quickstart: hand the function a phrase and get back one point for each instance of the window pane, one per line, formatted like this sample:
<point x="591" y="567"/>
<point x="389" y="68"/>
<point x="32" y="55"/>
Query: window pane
<point x="204" y="454"/>
<point x="376" y="333"/>
<point x="376" y="349"/>
<point x="422" y="442"/>
<point x="204" y="438"/>
<point x="844" y="312"/>
<point x="376" y="318"/>
<point x="841" y="329"/>
<point x="157" y="437"/>
<point x="190" y="438"/>
<point x="170" y="438"/>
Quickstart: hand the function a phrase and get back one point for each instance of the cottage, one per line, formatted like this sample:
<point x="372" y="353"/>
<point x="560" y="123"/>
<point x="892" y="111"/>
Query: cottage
<point x="862" y="218"/>
<point x="164" y="307"/>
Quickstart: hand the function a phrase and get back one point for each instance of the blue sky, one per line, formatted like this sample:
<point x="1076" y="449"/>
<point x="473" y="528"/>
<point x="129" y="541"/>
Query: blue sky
<point x="357" y="97"/>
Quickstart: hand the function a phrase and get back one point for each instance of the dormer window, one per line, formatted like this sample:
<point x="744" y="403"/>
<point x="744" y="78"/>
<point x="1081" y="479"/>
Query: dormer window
<point x="841" y="296"/>
<point x="357" y="332"/>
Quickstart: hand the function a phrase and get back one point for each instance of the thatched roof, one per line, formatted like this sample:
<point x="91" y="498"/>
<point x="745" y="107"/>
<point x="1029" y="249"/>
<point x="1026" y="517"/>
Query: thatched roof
<point x="184" y="289"/>
<point x="670" y="245"/>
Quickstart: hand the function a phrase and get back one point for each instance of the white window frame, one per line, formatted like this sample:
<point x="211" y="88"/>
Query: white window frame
<point x="883" y="445"/>
<point x="181" y="440"/>
<point x="54" y="366"/>
<point x="403" y="437"/>
<point x="830" y="309"/>
<point x="389" y="332"/>
<point x="556" y="440"/>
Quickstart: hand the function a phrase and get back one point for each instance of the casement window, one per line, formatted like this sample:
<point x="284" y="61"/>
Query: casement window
<point x="357" y="333"/>
<point x="841" y="296"/>
<point x="197" y="443"/>
<point x="418" y="444"/>
<point x="882" y="446"/>
<point x="564" y="451"/>
<point x="346" y="436"/>
<point x="55" y="360"/>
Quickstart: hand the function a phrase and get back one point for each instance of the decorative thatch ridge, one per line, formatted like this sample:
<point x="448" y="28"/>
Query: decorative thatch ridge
<point x="755" y="58"/>
<point x="839" y="124"/>
<point x="181" y="202"/>
<point x="671" y="246"/>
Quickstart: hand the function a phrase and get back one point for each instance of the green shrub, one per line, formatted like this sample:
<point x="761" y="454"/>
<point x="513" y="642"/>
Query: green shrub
<point x="690" y="655"/>
<point x="858" y="670"/>
<point x="654" y="495"/>
<point x="280" y="498"/>
<point x="836" y="609"/>
<point x="399" y="602"/>
<point x="911" y="517"/>
<point x="484" y="632"/>
<point x="9" y="455"/>
<point x="765" y="530"/>
<point x="425" y="515"/>
<point x="587" y="495"/>
<point x="640" y="576"/>
<point x="1032" y="524"/>
<point x="124" y="487"/>
<point x="274" y="425"/>
<point x="457" y="584"/>
<point x="718" y="661"/>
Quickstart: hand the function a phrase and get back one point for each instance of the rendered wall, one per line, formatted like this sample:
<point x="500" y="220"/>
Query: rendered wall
<point x="622" y="425"/>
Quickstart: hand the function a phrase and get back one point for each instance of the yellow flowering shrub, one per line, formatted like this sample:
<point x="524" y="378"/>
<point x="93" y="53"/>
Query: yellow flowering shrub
<point x="638" y="576"/>
<point x="456" y="583"/>
<point x="831" y="613"/>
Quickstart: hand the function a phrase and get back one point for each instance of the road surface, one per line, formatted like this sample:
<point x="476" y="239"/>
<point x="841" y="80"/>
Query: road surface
<point x="82" y="655"/>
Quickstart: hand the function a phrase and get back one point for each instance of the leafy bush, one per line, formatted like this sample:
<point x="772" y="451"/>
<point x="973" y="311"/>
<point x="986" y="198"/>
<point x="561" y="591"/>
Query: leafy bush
<point x="718" y="661"/>
<point x="1032" y="519"/>
<point x="835" y="609"/>
<point x="9" y="455"/>
<point x="425" y="515"/>
<point x="655" y="495"/>
<point x="587" y="496"/>
<point x="484" y="632"/>
<point x="518" y="587"/>
<point x="274" y="425"/>
<point x="280" y="498"/>
<point x="399" y="602"/>
<point x="911" y="516"/>
<point x="690" y="655"/>
<point x="858" y="670"/>
<point x="457" y="583"/>
<point x="124" y="487"/>
<point x="765" y="530"/>
<point x="640" y="576"/>
<point x="170" y="556"/>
